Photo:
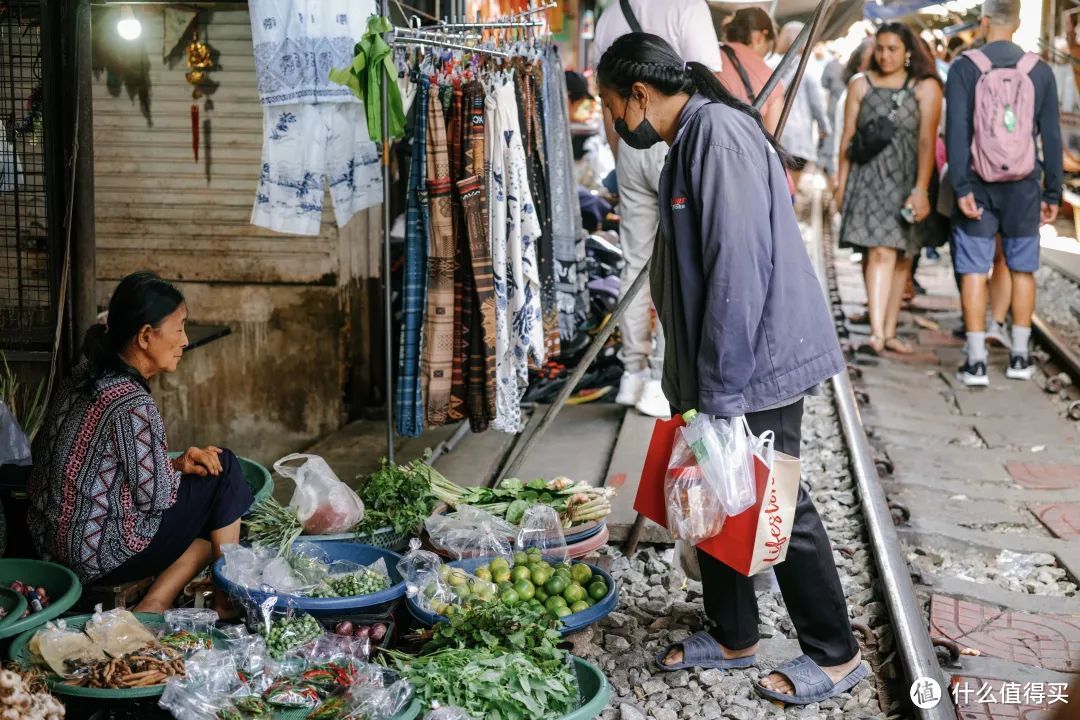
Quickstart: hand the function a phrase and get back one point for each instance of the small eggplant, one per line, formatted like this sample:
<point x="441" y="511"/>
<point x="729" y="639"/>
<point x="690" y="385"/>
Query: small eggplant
<point x="344" y="628"/>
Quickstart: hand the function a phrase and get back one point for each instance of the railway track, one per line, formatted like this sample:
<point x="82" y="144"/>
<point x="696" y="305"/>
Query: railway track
<point x="918" y="468"/>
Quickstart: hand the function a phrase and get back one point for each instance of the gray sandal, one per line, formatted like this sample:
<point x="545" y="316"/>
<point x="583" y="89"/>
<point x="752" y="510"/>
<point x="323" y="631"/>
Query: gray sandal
<point x="811" y="683"/>
<point x="701" y="650"/>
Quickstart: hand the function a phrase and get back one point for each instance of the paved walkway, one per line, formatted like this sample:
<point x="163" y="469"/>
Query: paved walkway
<point x="991" y="481"/>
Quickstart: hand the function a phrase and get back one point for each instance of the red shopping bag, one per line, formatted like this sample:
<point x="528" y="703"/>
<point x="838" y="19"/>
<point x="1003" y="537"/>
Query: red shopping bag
<point x="650" y="495"/>
<point x="757" y="538"/>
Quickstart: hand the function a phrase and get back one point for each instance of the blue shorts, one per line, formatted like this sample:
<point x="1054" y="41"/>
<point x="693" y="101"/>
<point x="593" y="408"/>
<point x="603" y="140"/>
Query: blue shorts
<point x="974" y="255"/>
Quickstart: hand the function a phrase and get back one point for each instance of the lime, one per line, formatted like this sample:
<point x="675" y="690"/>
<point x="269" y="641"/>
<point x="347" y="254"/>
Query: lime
<point x="563" y="611"/>
<point x="574" y="593"/>
<point x="506" y="585"/>
<point x="501" y="575"/>
<point x="555" y="601"/>
<point x="562" y="566"/>
<point x="521" y="558"/>
<point x="458" y="577"/>
<point x="581" y="573"/>
<point x="509" y="597"/>
<point x="520" y="572"/>
<point x="598" y="590"/>
<point x="534" y="551"/>
<point x="564" y="574"/>
<point x="525" y="589"/>
<point x="483" y="572"/>
<point x="555" y="586"/>
<point x="541" y="575"/>
<point x="589" y="601"/>
<point x="541" y="593"/>
<point x="579" y="606"/>
<point x="499" y="562"/>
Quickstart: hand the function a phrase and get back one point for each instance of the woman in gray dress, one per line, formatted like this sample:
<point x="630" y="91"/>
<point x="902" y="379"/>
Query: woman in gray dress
<point x="885" y="199"/>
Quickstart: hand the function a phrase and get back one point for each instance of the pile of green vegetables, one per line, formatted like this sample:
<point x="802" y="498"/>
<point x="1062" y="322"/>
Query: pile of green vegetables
<point x="494" y="661"/>
<point x="576" y="503"/>
<point x="394" y="496"/>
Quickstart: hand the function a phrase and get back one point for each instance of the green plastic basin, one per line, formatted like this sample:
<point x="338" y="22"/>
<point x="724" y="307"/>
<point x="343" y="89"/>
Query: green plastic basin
<point x="63" y="587"/>
<point x="594" y="690"/>
<point x="14" y="605"/>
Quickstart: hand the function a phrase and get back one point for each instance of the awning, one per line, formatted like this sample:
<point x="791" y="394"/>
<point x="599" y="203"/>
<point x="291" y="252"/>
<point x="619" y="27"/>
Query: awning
<point x="845" y="12"/>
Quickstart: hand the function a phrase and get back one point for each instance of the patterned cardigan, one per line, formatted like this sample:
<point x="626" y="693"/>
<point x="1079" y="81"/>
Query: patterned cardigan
<point x="102" y="477"/>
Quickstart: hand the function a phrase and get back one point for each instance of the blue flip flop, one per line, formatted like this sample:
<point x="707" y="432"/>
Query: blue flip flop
<point x="811" y="683"/>
<point x="701" y="650"/>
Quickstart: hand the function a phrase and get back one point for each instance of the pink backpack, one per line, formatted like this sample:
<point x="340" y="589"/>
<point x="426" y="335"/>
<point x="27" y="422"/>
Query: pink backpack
<point x="1003" y="146"/>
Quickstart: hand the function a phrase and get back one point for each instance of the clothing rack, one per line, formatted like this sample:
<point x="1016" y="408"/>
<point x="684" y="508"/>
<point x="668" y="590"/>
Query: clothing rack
<point x="434" y="36"/>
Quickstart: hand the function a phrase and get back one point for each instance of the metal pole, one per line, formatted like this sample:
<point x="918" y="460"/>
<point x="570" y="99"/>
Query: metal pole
<point x="639" y="281"/>
<point x="387" y="222"/>
<point x="785" y="62"/>
<point x="912" y="638"/>
<point x="816" y="24"/>
<point x="84" y="246"/>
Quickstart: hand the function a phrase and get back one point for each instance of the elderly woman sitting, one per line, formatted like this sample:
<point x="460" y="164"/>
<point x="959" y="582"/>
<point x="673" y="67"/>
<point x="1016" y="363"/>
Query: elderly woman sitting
<point x="106" y="500"/>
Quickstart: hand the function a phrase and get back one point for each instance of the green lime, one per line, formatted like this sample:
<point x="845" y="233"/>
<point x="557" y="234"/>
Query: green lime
<point x="598" y="590"/>
<point x="534" y="552"/>
<point x="525" y="589"/>
<point x="499" y="562"/>
<point x="574" y="593"/>
<point x="482" y="572"/>
<point x="555" y="601"/>
<point x="501" y="575"/>
<point x="458" y="577"/>
<point x="581" y="573"/>
<point x="520" y="572"/>
<point x="506" y="585"/>
<point x="579" y="606"/>
<point x="562" y="612"/>
<point x="555" y="586"/>
<point x="562" y="566"/>
<point x="541" y="575"/>
<point x="541" y="593"/>
<point x="509" y="597"/>
<point x="564" y="574"/>
<point x="589" y="601"/>
<point x="521" y="558"/>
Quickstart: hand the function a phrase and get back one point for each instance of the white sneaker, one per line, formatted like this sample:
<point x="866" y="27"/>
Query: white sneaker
<point x="1020" y="368"/>
<point x="653" y="402"/>
<point x="630" y="388"/>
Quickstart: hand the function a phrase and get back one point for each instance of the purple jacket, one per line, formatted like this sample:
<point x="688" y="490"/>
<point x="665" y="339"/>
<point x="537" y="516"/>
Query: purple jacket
<point x="745" y="318"/>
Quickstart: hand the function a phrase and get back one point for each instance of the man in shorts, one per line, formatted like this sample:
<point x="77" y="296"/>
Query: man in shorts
<point x="1015" y="209"/>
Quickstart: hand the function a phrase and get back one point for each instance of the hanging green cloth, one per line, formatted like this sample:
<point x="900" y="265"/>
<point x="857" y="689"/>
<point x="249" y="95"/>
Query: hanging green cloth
<point x="373" y="66"/>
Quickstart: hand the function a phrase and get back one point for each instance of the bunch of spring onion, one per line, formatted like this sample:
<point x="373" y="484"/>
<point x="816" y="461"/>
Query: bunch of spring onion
<point x="273" y="525"/>
<point x="576" y="503"/>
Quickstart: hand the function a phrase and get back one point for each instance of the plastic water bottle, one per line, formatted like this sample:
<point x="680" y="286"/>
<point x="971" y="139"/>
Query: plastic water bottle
<point x="1010" y="119"/>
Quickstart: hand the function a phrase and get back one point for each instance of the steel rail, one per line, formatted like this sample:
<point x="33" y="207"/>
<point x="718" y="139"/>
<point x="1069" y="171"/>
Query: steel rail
<point x="909" y="626"/>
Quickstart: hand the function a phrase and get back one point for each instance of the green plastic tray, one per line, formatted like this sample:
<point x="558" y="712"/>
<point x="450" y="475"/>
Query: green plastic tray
<point x="20" y="655"/>
<point x="63" y="587"/>
<point x="594" y="689"/>
<point x="15" y="605"/>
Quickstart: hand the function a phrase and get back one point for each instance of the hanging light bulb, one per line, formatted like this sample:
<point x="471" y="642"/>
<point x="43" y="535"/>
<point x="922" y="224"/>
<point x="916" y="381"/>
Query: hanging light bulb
<point x="129" y="26"/>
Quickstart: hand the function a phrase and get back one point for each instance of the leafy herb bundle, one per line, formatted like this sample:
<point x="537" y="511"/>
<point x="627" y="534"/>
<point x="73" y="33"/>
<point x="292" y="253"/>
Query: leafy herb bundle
<point x="397" y="496"/>
<point x="495" y="662"/>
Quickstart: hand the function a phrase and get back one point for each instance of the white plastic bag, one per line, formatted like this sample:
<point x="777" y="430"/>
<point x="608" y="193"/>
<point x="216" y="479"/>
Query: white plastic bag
<point x="541" y="528"/>
<point x="323" y="503"/>
<point x="14" y="445"/>
<point x="471" y="533"/>
<point x="723" y="452"/>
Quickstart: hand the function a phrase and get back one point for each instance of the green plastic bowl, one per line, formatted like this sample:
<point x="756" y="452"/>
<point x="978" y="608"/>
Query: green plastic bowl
<point x="14" y="604"/>
<point x="63" y="587"/>
<point x="258" y="477"/>
<point x="20" y="655"/>
<point x="594" y="690"/>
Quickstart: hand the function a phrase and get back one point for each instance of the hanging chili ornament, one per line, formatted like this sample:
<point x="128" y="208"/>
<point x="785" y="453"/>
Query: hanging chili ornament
<point x="199" y="62"/>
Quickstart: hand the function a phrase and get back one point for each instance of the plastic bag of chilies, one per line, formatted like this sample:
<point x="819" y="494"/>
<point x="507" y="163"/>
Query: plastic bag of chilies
<point x="694" y="511"/>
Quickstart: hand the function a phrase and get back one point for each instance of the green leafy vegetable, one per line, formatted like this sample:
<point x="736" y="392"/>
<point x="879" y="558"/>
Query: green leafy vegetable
<point x="271" y="524"/>
<point x="397" y="496"/>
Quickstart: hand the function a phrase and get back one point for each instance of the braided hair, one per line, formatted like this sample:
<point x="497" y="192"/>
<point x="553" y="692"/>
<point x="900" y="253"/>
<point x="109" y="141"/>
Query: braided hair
<point x="649" y="59"/>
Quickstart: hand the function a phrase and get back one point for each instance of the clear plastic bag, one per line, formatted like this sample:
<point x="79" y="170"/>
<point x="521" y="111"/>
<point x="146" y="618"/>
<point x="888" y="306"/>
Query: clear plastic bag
<point x="447" y="713"/>
<point x="67" y="652"/>
<point x="14" y="445"/>
<point x="323" y="503"/>
<point x="189" y="629"/>
<point x="471" y="533"/>
<point x="244" y="565"/>
<point x="417" y="567"/>
<point x="723" y="451"/>
<point x="118" y="632"/>
<point x="206" y="690"/>
<point x="287" y="631"/>
<point x="350" y="579"/>
<point x="541" y="529"/>
<point x="694" y="511"/>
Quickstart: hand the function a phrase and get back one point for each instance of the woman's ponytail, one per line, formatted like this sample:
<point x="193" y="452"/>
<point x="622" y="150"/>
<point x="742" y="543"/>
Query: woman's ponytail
<point x="96" y="349"/>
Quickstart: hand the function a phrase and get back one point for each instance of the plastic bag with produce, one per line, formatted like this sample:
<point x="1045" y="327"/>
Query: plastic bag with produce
<point x="118" y="632"/>
<point x="447" y="713"/>
<point x="542" y="529"/>
<point x="323" y="503"/>
<point x="471" y="533"/>
<point x="694" y="512"/>
<point x="723" y="451"/>
<point x="189" y="629"/>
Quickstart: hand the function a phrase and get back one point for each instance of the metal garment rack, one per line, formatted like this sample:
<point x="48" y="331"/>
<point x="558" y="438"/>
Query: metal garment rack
<point x="434" y="36"/>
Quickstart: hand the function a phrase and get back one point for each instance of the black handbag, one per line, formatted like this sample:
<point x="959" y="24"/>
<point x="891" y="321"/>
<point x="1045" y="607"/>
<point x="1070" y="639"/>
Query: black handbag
<point x="873" y="137"/>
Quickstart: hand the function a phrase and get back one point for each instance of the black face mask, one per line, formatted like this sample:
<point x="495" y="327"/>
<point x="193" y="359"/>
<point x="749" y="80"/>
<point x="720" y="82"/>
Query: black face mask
<point x="641" y="138"/>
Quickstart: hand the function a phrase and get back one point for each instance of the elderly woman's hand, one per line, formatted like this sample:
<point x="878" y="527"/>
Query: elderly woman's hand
<point x="199" y="461"/>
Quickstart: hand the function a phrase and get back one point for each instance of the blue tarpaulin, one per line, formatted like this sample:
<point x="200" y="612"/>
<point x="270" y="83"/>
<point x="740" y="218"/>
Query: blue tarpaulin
<point x="887" y="10"/>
